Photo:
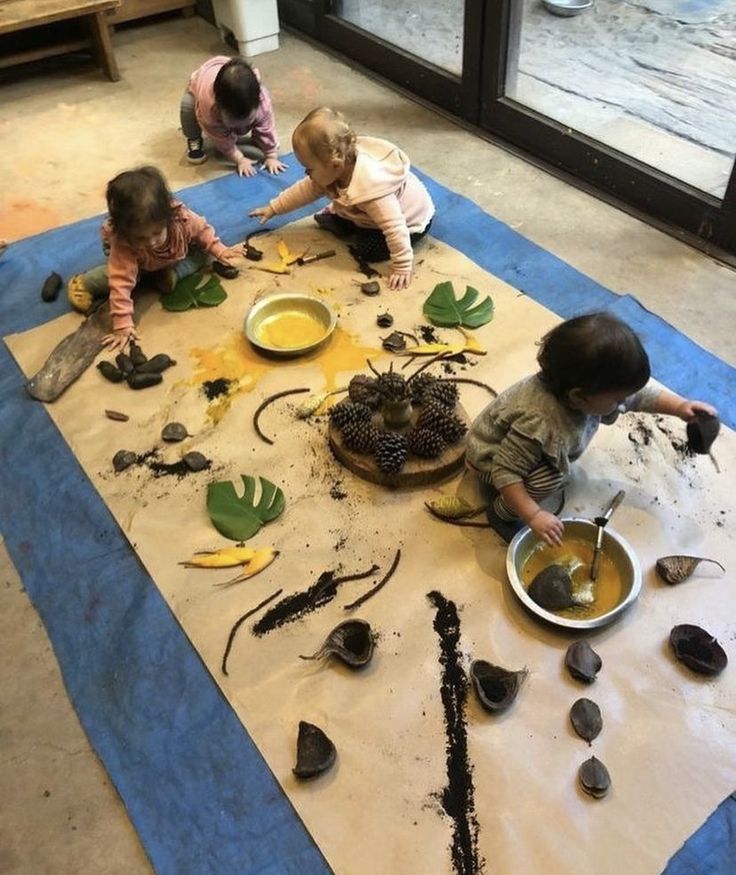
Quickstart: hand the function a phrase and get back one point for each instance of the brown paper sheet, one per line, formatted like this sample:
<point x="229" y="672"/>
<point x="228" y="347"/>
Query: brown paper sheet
<point x="668" y="735"/>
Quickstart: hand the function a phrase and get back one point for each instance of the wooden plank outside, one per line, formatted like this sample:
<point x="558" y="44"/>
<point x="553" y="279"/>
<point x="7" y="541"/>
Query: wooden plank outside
<point x="103" y="45"/>
<point x="130" y="10"/>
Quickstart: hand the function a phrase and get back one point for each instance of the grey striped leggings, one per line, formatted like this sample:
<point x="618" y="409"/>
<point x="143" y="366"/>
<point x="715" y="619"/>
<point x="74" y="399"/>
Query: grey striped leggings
<point x="539" y="483"/>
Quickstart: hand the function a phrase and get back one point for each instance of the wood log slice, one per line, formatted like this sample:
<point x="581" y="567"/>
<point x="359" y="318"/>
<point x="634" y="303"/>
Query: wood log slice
<point x="416" y="471"/>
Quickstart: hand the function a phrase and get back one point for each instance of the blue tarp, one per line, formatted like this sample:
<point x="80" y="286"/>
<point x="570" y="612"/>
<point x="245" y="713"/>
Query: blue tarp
<point x="196" y="788"/>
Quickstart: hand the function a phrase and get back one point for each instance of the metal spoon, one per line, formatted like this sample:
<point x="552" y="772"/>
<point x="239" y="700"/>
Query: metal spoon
<point x="601" y="521"/>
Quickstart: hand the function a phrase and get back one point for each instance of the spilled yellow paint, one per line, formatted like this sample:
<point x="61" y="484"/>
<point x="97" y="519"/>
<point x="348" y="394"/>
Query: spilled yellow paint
<point x="237" y="361"/>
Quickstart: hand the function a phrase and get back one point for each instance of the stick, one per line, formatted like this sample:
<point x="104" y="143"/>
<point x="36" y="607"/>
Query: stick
<point x="264" y="405"/>
<point x="239" y="623"/>
<point x="381" y="583"/>
<point x="470" y="382"/>
<point x="334" y="581"/>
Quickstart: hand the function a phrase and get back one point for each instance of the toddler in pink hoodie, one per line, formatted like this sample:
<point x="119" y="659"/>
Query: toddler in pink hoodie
<point x="147" y="232"/>
<point x="226" y="101"/>
<point x="376" y="201"/>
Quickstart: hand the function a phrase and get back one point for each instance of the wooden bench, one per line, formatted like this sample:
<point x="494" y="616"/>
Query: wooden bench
<point x="21" y="15"/>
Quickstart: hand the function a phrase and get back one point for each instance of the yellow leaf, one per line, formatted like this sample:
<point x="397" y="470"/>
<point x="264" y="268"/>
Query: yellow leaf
<point x="262" y="558"/>
<point x="472" y="346"/>
<point x="286" y="256"/>
<point x="228" y="557"/>
<point x="434" y="349"/>
<point x="272" y="266"/>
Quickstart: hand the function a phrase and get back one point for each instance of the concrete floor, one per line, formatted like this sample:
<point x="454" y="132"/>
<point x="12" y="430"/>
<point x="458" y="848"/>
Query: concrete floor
<point x="66" y="132"/>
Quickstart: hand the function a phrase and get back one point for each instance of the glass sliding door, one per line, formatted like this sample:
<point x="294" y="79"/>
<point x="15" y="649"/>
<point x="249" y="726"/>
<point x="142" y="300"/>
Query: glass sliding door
<point x="432" y="32"/>
<point x="431" y="49"/>
<point x="654" y="79"/>
<point x="635" y="99"/>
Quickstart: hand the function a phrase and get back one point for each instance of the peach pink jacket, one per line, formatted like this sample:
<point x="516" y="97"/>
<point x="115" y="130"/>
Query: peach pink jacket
<point x="383" y="193"/>
<point x="260" y="123"/>
<point x="124" y="262"/>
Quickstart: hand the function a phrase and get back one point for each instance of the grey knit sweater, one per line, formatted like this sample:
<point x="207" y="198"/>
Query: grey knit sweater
<point x="526" y="424"/>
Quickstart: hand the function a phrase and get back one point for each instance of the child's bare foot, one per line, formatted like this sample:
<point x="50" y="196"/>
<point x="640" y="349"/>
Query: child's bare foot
<point x="81" y="299"/>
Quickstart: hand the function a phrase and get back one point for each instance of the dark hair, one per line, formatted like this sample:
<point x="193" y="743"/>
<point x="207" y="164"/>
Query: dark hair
<point x="237" y="90"/>
<point x="594" y="353"/>
<point x="137" y="199"/>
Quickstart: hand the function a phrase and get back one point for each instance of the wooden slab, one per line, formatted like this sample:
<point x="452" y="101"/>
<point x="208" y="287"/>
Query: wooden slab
<point x="416" y="471"/>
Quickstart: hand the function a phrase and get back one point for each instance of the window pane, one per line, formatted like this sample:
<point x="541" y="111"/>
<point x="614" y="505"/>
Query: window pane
<point x="655" y="79"/>
<point x="431" y="31"/>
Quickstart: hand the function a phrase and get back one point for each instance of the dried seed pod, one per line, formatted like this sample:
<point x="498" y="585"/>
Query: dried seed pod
<point x="226" y="271"/>
<point x="395" y="342"/>
<point x="698" y="649"/>
<point x="551" y="589"/>
<point x="143" y="379"/>
<point x="583" y="662"/>
<point x="495" y="687"/>
<point x="174" y="432"/>
<point x="315" y="753"/>
<point x="675" y="569"/>
<point x="124" y="363"/>
<point x="371" y="288"/>
<point x="117" y="416"/>
<point x="594" y="778"/>
<point x="586" y="719"/>
<point x="157" y="364"/>
<point x="384" y="320"/>
<point x="701" y="432"/>
<point x="196" y="461"/>
<point x="51" y="287"/>
<point x="110" y="372"/>
<point x="137" y="356"/>
<point x="351" y="641"/>
<point x="123" y="459"/>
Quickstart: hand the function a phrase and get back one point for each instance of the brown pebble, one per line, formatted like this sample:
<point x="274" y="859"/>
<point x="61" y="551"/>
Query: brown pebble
<point x="117" y="416"/>
<point x="384" y="320"/>
<point x="370" y="288"/>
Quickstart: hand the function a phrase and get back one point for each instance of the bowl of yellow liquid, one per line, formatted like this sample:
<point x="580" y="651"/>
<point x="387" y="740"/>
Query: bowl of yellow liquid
<point x="598" y="602"/>
<point x="289" y="324"/>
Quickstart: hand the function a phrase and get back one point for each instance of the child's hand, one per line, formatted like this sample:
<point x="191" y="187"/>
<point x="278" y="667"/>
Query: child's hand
<point x="547" y="526"/>
<point x="263" y="214"/>
<point x="246" y="167"/>
<point x="273" y="165"/>
<point x="399" y="280"/>
<point x="688" y="410"/>
<point x="231" y="253"/>
<point x="119" y="339"/>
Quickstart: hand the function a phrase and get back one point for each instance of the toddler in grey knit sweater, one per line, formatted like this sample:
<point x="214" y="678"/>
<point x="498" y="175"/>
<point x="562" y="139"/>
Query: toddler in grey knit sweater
<point x="591" y="369"/>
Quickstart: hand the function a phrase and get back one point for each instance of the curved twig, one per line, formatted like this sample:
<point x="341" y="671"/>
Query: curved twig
<point x="467" y="523"/>
<point x="381" y="583"/>
<point x="239" y="623"/>
<point x="433" y="360"/>
<point x="334" y="581"/>
<point x="264" y="405"/>
<point x="471" y="383"/>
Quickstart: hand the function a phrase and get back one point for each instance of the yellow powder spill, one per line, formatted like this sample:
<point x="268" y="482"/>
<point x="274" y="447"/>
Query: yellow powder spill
<point x="237" y="361"/>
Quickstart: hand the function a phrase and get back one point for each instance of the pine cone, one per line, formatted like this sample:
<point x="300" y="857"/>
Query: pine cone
<point x="439" y="419"/>
<point x="392" y="387"/>
<point x="349" y="411"/>
<point x="360" y="436"/>
<point x="391" y="452"/>
<point x="425" y="443"/>
<point x="362" y="389"/>
<point x="420" y="385"/>
<point x="442" y="393"/>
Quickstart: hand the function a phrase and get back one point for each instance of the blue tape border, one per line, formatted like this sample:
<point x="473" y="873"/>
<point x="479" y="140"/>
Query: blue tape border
<point x="196" y="787"/>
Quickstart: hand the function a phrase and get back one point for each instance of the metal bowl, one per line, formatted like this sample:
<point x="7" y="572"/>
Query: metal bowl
<point x="567" y="8"/>
<point x="614" y="546"/>
<point x="263" y="318"/>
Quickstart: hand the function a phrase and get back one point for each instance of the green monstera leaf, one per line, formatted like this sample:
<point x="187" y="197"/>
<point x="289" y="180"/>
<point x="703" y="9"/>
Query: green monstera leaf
<point x="238" y="517"/>
<point x="444" y="309"/>
<point x="192" y="292"/>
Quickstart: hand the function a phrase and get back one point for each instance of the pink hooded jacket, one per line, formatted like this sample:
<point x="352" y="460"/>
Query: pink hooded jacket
<point x="124" y="262"/>
<point x="383" y="193"/>
<point x="260" y="123"/>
